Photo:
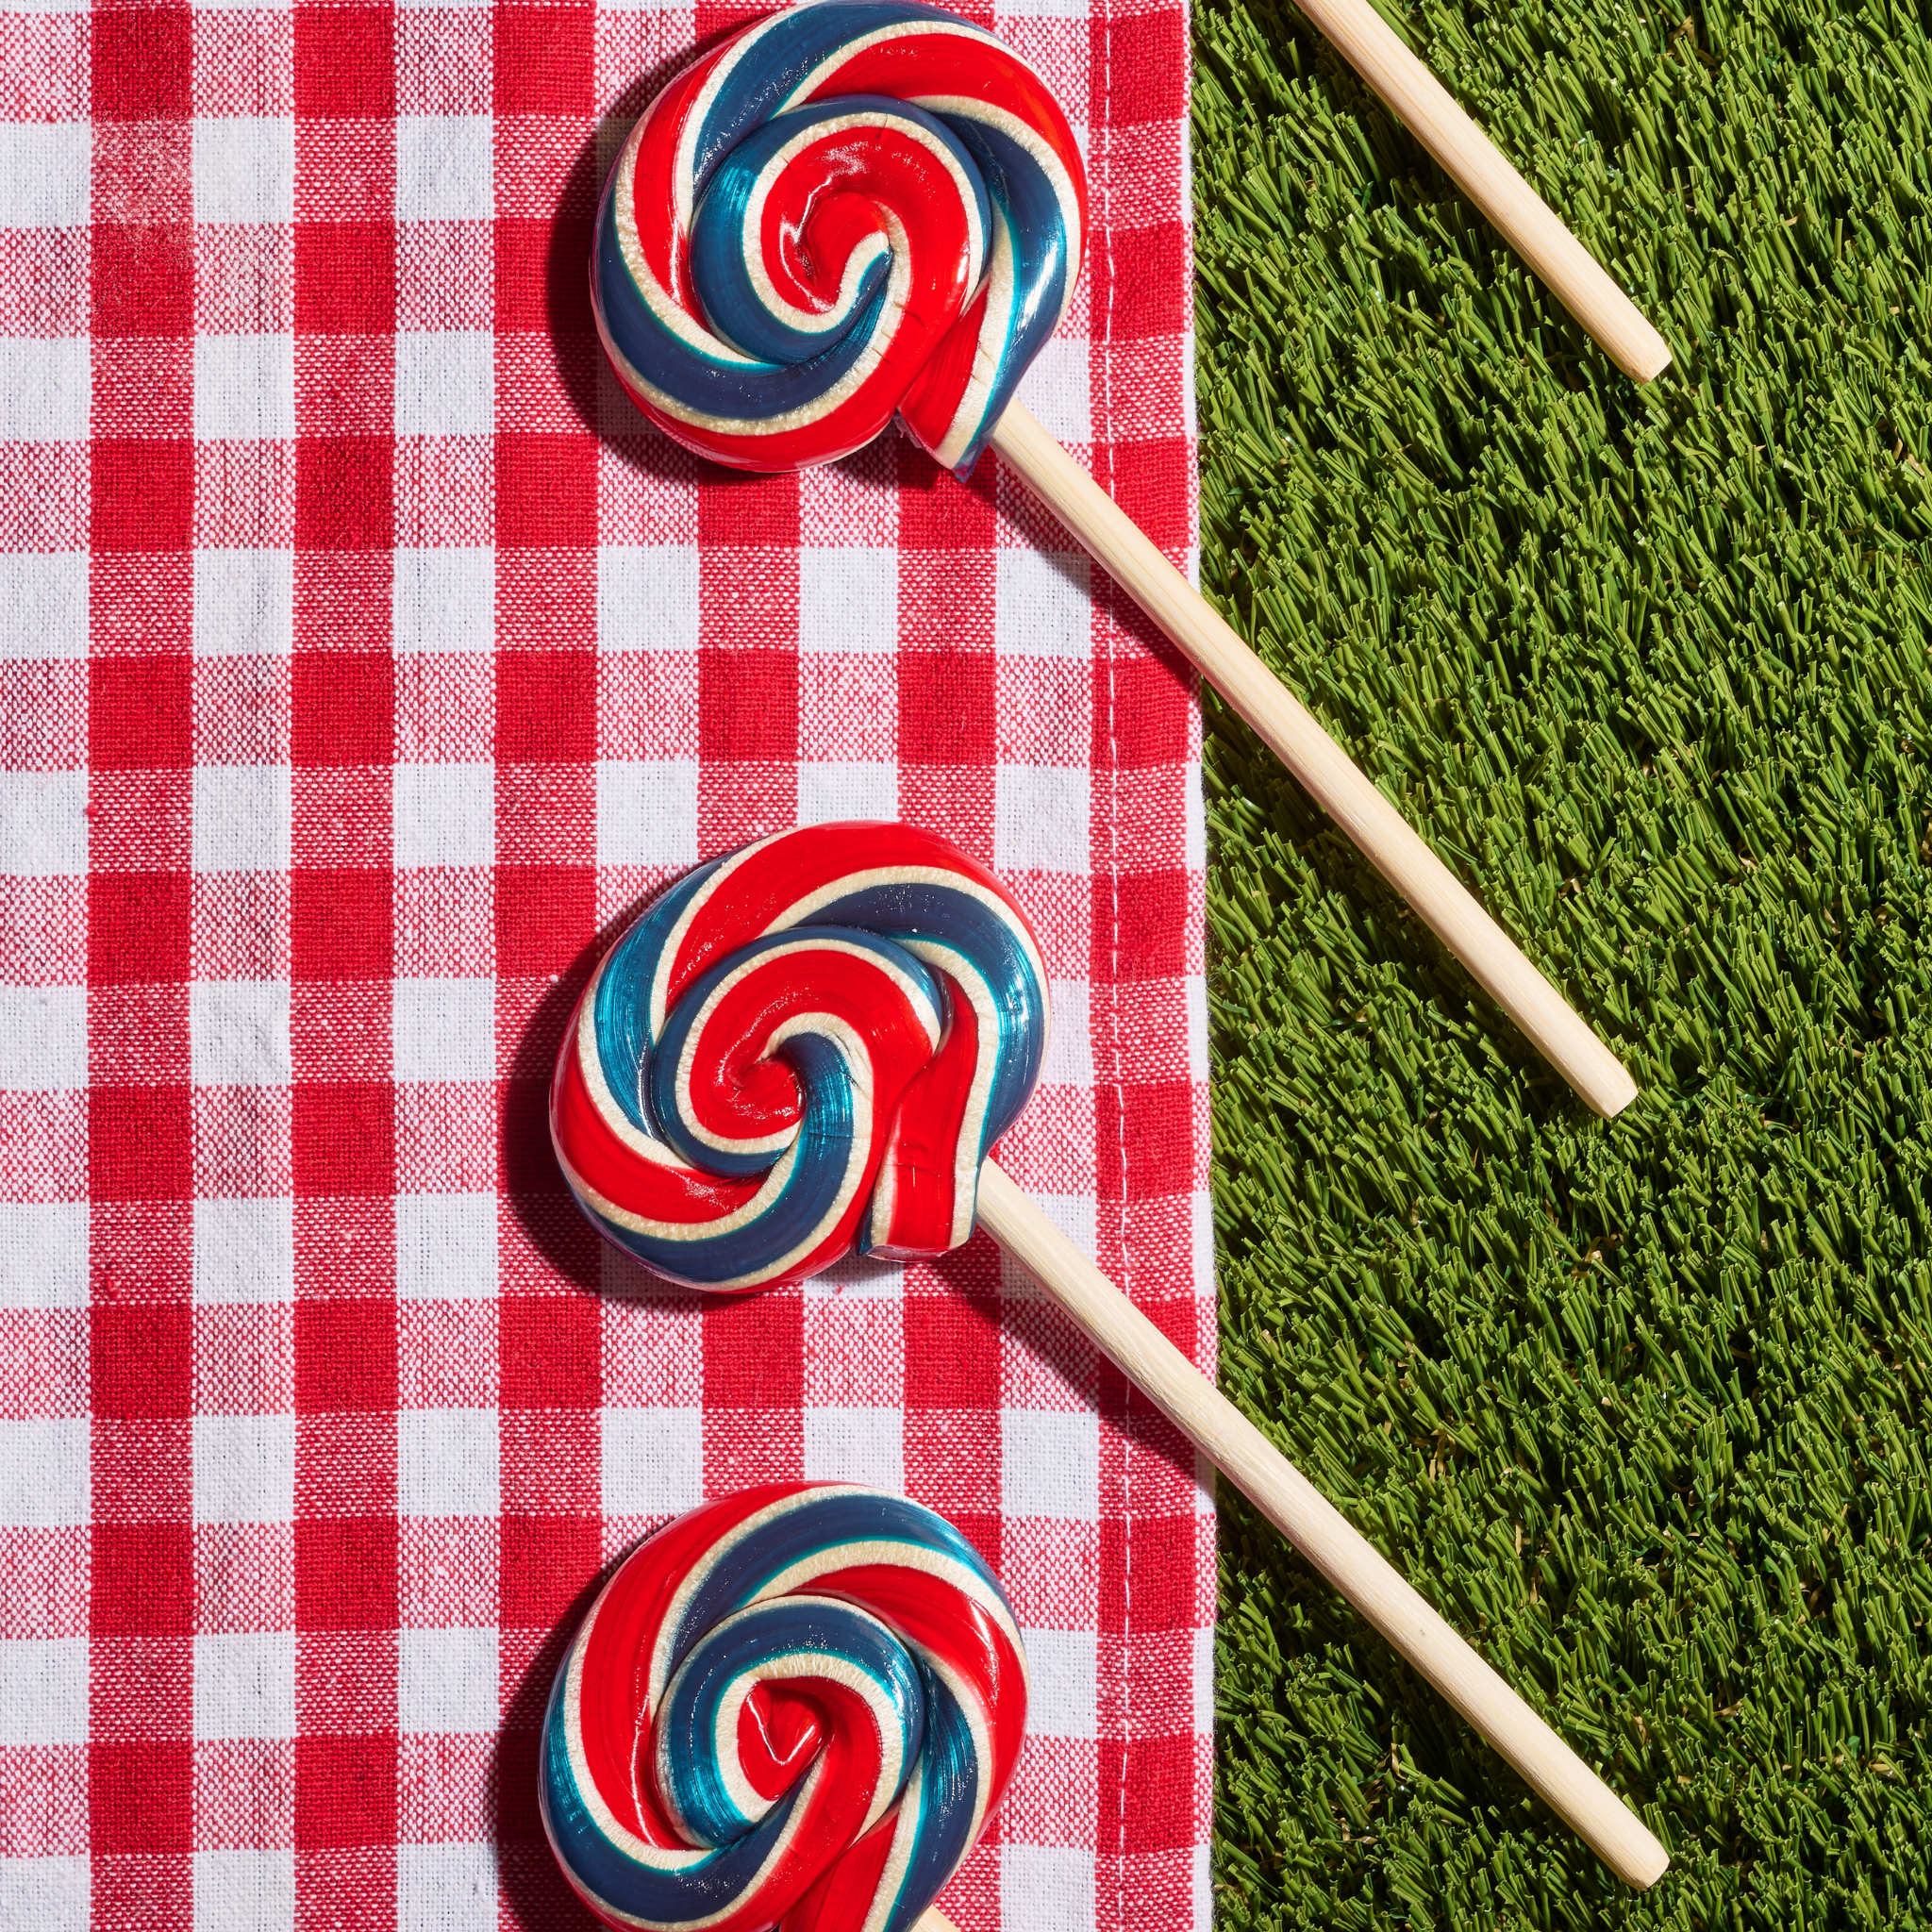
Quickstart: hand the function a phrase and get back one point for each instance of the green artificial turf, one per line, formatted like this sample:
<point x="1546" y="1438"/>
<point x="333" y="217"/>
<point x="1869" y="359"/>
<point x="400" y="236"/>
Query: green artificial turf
<point x="1642" y="1406"/>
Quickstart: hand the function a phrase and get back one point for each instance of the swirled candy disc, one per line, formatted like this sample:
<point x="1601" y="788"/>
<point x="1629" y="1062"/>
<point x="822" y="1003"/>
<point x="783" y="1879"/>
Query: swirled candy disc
<point x="806" y="1046"/>
<point x="847" y="209"/>
<point x="796" y="1704"/>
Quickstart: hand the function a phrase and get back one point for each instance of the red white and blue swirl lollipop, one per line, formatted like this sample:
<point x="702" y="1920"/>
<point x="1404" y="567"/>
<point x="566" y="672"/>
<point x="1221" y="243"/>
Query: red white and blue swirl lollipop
<point x="848" y="209"/>
<point x="804" y="1047"/>
<point x="860" y="208"/>
<point x="799" y="1703"/>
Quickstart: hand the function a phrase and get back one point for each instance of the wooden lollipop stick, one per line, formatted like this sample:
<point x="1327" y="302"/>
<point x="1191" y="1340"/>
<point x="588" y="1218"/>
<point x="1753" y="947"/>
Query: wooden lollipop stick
<point x="1324" y="770"/>
<point x="1473" y="162"/>
<point x="1320" y="1532"/>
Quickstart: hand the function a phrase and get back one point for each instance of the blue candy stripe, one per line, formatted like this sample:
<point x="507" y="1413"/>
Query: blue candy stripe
<point x="776" y="1541"/>
<point x="785" y="1638"/>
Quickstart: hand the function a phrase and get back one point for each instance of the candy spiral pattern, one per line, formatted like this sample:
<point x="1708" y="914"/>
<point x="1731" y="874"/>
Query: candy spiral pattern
<point x="803" y="1047"/>
<point x="848" y="209"/>
<point x="796" y="1704"/>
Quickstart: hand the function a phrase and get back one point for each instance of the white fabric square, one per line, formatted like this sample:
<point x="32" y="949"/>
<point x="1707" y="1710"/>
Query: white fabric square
<point x="444" y="1029"/>
<point x="43" y="1254"/>
<point x="49" y="1894"/>
<point x="244" y="169"/>
<point x="1047" y="1888"/>
<point x="848" y="601"/>
<point x="245" y="1251"/>
<point x="1050" y="1464"/>
<point x="445" y="600"/>
<point x="1062" y="1675"/>
<point x="1040" y="818"/>
<point x="446" y="1680"/>
<point x="244" y="603"/>
<point x="1203" y="1681"/>
<point x="245" y="387"/>
<point x="446" y="1247"/>
<point x="828" y="792"/>
<point x="1042" y="603"/>
<point x="44" y="595"/>
<point x="42" y="1037"/>
<point x="446" y="384"/>
<point x="45" y="383"/>
<point x="855" y="1445"/>
<point x="445" y="815"/>
<point x="654" y="1460"/>
<point x="241" y="818"/>
<point x="238" y="1032"/>
<point x="244" y="1468"/>
<point x="447" y="1463"/>
<point x="1070" y="1036"/>
<point x="239" y="1890"/>
<point x="445" y="1888"/>
<point x="647" y="812"/>
<point x="1058" y="387"/>
<point x="42" y="822"/>
<point x="45" y="1478"/>
<point x="445" y="168"/>
<point x="48" y="168"/>
<point x="1074" y="1215"/>
<point x="244" y="1684"/>
<point x="647" y="596"/>
<point x="43" y="1690"/>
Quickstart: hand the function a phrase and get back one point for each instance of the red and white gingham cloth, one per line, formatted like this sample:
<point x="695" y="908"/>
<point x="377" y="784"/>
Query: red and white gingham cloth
<point x="366" y="662"/>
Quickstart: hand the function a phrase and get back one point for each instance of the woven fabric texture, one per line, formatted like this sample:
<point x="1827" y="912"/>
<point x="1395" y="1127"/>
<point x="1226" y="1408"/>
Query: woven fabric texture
<point x="366" y="663"/>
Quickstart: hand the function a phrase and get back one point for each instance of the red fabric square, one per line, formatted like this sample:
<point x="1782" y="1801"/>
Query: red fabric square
<point x="1143" y="713"/>
<point x="340" y="925"/>
<point x="141" y="1798"/>
<point x="345" y="1136"/>
<point x="142" y="279"/>
<point x="143" y="1360"/>
<point x="140" y="1141"/>
<point x="345" y="1355"/>
<point x="138" y="926"/>
<point x="341" y="707"/>
<point x="748" y="512"/>
<point x="549" y="1352"/>
<point x="345" y="1574"/>
<point x="546" y="915"/>
<point x="754" y="1351"/>
<point x="546" y="59"/>
<point x="546" y="490"/>
<point x="948" y="707"/>
<point x="144" y="494"/>
<point x="342" y="284"/>
<point x="1156" y="1144"/>
<point x="1145" y="921"/>
<point x="549" y="1564"/>
<point x="143" y="64"/>
<point x="547" y="705"/>
<point x="345" y="63"/>
<point x="143" y="1579"/>
<point x="344" y="493"/>
<point x="1140" y="68"/>
<point x="952" y="1351"/>
<point x="140" y="713"/>
<point x="748" y="706"/>
<point x="346" y="1790"/>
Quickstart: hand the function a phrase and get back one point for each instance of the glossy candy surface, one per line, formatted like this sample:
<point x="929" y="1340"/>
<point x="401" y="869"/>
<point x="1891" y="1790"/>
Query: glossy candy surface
<point x="800" y="1048"/>
<point x="847" y="209"/>
<point x="802" y="1703"/>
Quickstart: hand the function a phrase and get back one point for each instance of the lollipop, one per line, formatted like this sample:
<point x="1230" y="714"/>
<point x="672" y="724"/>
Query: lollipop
<point x="867" y="208"/>
<point x="809" y="1045"/>
<point x="799" y="1703"/>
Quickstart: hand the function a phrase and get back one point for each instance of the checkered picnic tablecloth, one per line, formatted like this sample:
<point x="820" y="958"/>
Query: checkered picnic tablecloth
<point x="366" y="661"/>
